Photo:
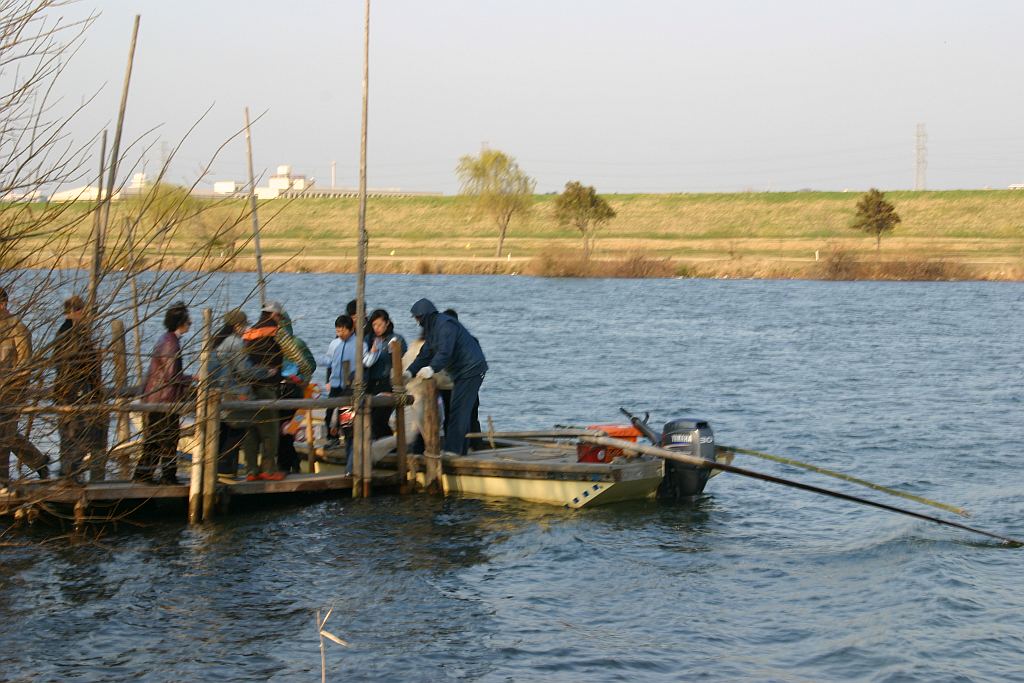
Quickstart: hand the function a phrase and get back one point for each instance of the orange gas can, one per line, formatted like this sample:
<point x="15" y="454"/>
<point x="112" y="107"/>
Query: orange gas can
<point x="590" y="452"/>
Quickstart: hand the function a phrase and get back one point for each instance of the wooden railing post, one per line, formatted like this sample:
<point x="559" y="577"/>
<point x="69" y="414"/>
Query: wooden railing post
<point x="212" y="452"/>
<point x="367" y="450"/>
<point x="431" y="438"/>
<point x="195" y="489"/>
<point x="398" y="389"/>
<point x="123" y="431"/>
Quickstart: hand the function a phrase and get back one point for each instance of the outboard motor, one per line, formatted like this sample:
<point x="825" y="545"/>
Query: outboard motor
<point x="692" y="437"/>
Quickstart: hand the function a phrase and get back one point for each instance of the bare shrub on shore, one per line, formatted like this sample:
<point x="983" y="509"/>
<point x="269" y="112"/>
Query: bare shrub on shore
<point x="634" y="266"/>
<point x="840" y="264"/>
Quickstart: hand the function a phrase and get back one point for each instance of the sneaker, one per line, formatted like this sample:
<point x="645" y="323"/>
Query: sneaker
<point x="274" y="476"/>
<point x="253" y="477"/>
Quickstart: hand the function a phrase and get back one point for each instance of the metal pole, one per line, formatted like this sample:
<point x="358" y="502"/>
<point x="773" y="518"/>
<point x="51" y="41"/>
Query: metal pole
<point x="261" y="282"/>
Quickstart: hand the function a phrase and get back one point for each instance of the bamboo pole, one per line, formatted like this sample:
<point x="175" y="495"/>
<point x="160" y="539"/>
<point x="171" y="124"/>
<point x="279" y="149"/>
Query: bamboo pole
<point x="398" y="390"/>
<point x="212" y="453"/>
<point x="136" y="323"/>
<point x="363" y="239"/>
<point x="120" y="356"/>
<point x="431" y="437"/>
<point x="195" y="489"/>
<point x="846" y="477"/>
<point x="260" y="280"/>
<point x="701" y="462"/>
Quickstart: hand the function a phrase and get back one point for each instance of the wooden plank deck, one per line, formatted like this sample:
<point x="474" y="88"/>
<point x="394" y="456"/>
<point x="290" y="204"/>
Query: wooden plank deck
<point x="34" y="491"/>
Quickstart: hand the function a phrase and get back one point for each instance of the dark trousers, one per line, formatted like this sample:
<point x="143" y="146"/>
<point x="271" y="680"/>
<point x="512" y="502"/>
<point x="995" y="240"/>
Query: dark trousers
<point x="474" y="420"/>
<point x="287" y="457"/>
<point x="231" y="439"/>
<point x="11" y="441"/>
<point x="82" y="436"/>
<point x="380" y="415"/>
<point x="159" y="447"/>
<point x="335" y="392"/>
<point x="465" y="394"/>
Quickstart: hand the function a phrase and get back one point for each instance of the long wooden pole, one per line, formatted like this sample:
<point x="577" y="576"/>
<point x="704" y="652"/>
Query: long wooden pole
<point x="133" y="271"/>
<point x="96" y="264"/>
<point x="846" y="477"/>
<point x="199" y="454"/>
<point x="260" y="280"/>
<point x="359" y="385"/>
<point x="398" y="390"/>
<point x="700" y="462"/>
<point x="115" y="151"/>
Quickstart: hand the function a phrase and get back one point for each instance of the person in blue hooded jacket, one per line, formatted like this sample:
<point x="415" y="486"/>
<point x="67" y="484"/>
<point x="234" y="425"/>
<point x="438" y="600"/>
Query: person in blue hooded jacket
<point x="449" y="346"/>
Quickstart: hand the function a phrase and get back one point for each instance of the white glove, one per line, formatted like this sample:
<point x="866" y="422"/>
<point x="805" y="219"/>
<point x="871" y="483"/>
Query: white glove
<point x="406" y="376"/>
<point x="426" y="372"/>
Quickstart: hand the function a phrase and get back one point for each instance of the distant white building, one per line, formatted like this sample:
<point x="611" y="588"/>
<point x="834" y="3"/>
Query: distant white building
<point x="286" y="184"/>
<point x="227" y="187"/>
<point x="1016" y="186"/>
<point x="86" y="193"/>
<point x="279" y="183"/>
<point x="25" y="196"/>
<point x="90" y="193"/>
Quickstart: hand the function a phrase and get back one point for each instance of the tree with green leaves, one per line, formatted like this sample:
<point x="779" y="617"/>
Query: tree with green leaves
<point x="581" y="206"/>
<point x="875" y="215"/>
<point x="500" y="187"/>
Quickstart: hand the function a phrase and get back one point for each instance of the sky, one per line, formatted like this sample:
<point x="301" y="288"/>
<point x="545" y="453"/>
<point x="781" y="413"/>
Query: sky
<point x="637" y="96"/>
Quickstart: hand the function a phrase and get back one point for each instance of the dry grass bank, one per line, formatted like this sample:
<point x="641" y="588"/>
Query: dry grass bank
<point x="944" y="235"/>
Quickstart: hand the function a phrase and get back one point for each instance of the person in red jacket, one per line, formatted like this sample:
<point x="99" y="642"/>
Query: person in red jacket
<point x="165" y="382"/>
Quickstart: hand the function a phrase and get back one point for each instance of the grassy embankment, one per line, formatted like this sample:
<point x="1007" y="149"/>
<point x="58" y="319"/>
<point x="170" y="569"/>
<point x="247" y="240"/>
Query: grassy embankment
<point x="944" y="235"/>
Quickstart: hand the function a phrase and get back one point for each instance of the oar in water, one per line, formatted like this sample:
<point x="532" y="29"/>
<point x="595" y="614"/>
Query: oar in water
<point x="846" y="477"/>
<point x="700" y="462"/>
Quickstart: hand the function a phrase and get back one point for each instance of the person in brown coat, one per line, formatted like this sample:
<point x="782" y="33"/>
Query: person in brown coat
<point x="15" y="371"/>
<point x="165" y="382"/>
<point x="79" y="381"/>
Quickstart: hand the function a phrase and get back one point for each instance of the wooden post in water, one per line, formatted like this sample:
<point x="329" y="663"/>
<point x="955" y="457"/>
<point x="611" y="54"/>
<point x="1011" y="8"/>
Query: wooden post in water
<point x="212" y="452"/>
<point x="431" y="438"/>
<point x="398" y="389"/>
<point x="195" y="488"/>
<point x="117" y="347"/>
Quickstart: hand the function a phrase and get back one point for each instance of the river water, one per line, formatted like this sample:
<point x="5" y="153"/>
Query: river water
<point x="913" y="385"/>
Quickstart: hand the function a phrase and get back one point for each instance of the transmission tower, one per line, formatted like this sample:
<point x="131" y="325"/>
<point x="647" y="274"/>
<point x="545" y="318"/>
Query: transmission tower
<point x="922" y="158"/>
